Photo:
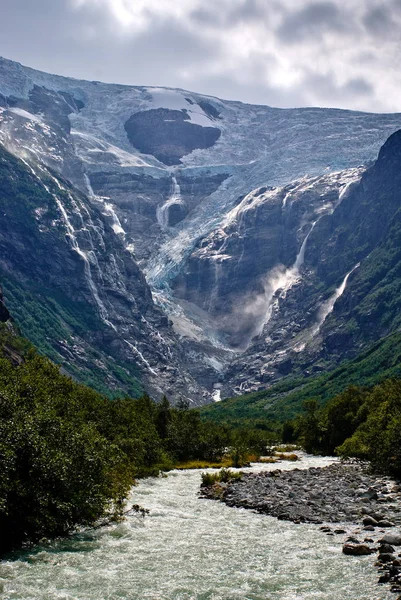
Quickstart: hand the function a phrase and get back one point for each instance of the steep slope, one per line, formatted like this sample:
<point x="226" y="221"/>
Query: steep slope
<point x="75" y="291"/>
<point x="316" y="318"/>
<point x="185" y="186"/>
<point x="284" y="400"/>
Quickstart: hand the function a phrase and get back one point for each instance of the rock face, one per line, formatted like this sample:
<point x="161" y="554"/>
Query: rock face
<point x="4" y="314"/>
<point x="168" y="134"/>
<point x="301" y="311"/>
<point x="76" y="291"/>
<point x="248" y="223"/>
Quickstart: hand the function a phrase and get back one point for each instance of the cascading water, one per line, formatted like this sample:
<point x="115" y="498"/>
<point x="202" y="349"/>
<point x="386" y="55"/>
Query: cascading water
<point x="107" y="208"/>
<point x="328" y="306"/>
<point x="282" y="279"/>
<point x="192" y="549"/>
<point x="299" y="261"/>
<point x="162" y="212"/>
<point x="141" y="356"/>
<point x="74" y="240"/>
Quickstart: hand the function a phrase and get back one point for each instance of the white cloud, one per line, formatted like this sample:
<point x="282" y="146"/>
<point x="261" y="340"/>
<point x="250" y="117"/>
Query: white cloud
<point x="277" y="52"/>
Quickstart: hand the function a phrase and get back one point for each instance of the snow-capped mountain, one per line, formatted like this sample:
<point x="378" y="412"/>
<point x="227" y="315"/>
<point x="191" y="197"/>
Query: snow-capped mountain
<point x="217" y="202"/>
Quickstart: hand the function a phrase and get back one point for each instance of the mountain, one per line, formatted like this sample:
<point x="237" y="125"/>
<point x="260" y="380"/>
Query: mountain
<point x="75" y="290"/>
<point x="184" y="243"/>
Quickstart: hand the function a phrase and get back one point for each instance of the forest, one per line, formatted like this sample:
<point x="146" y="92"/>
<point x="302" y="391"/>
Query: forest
<point x="69" y="455"/>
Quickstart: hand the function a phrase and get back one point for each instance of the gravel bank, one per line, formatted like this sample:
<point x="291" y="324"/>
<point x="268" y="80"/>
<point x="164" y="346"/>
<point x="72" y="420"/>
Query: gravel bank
<point x="361" y="510"/>
<point x="334" y="494"/>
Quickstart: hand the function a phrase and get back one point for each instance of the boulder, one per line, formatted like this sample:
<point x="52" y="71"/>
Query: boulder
<point x="386" y="548"/>
<point x="370" y="521"/>
<point x="385" y="523"/>
<point x="391" y="538"/>
<point x="356" y="549"/>
<point x="386" y="557"/>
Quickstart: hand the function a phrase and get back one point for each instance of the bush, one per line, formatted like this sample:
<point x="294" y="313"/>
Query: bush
<point x="222" y="476"/>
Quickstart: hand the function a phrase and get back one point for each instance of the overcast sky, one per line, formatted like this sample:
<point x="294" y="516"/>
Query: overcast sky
<point x="340" y="53"/>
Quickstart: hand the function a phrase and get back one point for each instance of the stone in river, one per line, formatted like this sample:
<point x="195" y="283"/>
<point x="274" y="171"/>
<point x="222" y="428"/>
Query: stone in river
<point x="386" y="548"/>
<point x="370" y="521"/>
<point x="385" y="523"/>
<point x="356" y="549"/>
<point x="392" y="539"/>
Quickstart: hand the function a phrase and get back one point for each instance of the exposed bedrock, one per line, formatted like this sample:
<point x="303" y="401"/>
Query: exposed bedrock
<point x="168" y="134"/>
<point x="147" y="204"/>
<point x="234" y="272"/>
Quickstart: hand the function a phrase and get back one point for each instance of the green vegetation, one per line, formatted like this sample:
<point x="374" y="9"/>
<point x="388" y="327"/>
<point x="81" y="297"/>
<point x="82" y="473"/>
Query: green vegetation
<point x="361" y="423"/>
<point x="36" y="271"/>
<point x="69" y="456"/>
<point x="222" y="476"/>
<point x="284" y="400"/>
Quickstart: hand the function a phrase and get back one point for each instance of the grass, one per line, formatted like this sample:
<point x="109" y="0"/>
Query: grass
<point x="292" y="457"/>
<point x="222" y="476"/>
<point x="276" y="456"/>
<point x="227" y="461"/>
<point x="204" y="464"/>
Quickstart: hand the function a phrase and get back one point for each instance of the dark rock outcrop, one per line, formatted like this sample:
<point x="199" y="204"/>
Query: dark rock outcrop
<point x="4" y="314"/>
<point x="168" y="134"/>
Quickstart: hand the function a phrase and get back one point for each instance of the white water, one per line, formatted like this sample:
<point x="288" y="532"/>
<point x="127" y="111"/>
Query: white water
<point x="192" y="549"/>
<point x="301" y="254"/>
<point x="141" y="356"/>
<point x="328" y="306"/>
<point x="174" y="198"/>
<point x="281" y="278"/>
<point x="108" y="208"/>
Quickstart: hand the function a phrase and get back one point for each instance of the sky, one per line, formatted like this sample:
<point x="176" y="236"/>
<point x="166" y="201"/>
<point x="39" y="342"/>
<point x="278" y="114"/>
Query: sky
<point x="285" y="53"/>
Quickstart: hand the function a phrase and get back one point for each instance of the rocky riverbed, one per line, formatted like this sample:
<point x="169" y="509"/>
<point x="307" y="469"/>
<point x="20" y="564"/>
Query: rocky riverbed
<point x="348" y="502"/>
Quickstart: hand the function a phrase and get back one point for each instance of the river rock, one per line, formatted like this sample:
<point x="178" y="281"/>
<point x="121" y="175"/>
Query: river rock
<point x="370" y="521"/>
<point x="392" y="539"/>
<point x="385" y="523"/>
<point x="386" y="548"/>
<point x="385" y="557"/>
<point x="356" y="549"/>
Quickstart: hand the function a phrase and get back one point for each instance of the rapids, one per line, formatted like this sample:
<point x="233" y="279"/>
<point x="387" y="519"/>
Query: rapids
<point x="192" y="549"/>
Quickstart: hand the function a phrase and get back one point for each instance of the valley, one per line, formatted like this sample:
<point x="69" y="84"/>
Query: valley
<point x="213" y="245"/>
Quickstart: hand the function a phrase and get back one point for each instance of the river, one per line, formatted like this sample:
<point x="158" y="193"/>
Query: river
<point x="192" y="549"/>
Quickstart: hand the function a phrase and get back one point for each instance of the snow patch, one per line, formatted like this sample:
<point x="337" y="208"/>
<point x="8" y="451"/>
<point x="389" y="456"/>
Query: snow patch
<point x="175" y="100"/>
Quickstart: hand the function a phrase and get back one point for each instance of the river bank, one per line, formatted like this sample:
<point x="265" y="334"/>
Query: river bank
<point x="190" y="549"/>
<point x="346" y="500"/>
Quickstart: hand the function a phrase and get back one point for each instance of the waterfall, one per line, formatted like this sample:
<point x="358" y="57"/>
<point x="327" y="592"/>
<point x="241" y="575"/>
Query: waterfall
<point x="74" y="241"/>
<point x="141" y="356"/>
<point x="281" y="278"/>
<point x="108" y="208"/>
<point x="328" y="306"/>
<point x="174" y="198"/>
<point x="299" y="261"/>
<point x="155" y="334"/>
<point x="215" y="289"/>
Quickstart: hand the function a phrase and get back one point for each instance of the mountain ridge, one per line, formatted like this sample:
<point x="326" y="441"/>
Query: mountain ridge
<point x="180" y="221"/>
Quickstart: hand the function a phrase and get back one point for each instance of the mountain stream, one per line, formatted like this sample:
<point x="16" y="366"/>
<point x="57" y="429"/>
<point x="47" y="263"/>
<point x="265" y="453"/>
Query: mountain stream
<point x="193" y="549"/>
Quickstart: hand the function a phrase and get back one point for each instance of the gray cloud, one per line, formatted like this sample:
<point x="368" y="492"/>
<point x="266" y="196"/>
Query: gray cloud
<point x="327" y="87"/>
<point x="313" y="20"/>
<point x="379" y="22"/>
<point x="245" y="11"/>
<point x="281" y="53"/>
